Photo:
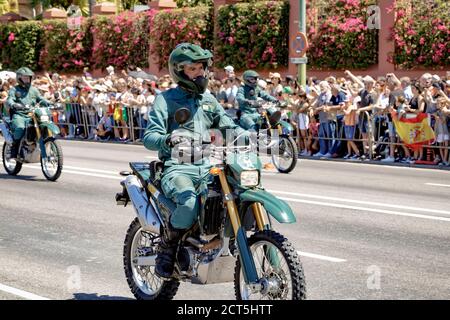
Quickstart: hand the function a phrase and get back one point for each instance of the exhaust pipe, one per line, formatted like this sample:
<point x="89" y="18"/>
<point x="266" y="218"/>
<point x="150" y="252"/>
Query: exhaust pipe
<point x="147" y="215"/>
<point x="5" y="132"/>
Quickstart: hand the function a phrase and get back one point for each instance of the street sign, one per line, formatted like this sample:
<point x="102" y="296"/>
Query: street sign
<point x="303" y="60"/>
<point x="299" y="45"/>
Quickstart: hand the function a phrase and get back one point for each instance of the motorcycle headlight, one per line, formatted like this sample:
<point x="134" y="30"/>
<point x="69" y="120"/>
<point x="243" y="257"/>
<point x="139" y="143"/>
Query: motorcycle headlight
<point x="250" y="178"/>
<point x="44" y="118"/>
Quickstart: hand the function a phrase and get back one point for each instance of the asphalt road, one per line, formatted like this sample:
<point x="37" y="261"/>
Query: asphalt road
<point x="363" y="231"/>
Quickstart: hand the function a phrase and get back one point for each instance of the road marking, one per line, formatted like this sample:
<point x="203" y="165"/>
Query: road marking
<point x="151" y="157"/>
<point x="368" y="209"/>
<point x="82" y="173"/>
<point x="360" y="202"/>
<point x="320" y="257"/>
<point x="406" y="214"/>
<point x="438" y="185"/>
<point x="21" y="293"/>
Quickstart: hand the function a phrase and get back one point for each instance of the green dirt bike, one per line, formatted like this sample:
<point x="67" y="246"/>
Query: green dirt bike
<point x="233" y="240"/>
<point x="37" y="145"/>
<point x="275" y="136"/>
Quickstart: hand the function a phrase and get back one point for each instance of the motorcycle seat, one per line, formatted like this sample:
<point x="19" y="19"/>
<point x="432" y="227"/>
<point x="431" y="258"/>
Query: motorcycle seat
<point x="148" y="172"/>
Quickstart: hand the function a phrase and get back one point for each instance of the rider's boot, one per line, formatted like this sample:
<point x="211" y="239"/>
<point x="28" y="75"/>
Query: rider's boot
<point x="14" y="149"/>
<point x="165" y="260"/>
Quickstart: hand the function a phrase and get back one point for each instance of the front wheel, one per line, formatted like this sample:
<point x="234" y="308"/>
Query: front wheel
<point x="278" y="266"/>
<point x="12" y="166"/>
<point x="52" y="165"/>
<point x="285" y="159"/>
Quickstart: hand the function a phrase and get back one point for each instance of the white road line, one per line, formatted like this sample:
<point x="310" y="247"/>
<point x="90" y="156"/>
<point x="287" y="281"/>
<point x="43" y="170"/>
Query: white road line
<point x="21" y="293"/>
<point x="438" y="185"/>
<point x="368" y="209"/>
<point x="151" y="157"/>
<point x="83" y="173"/>
<point x="360" y="202"/>
<point x="320" y="257"/>
<point x="406" y="214"/>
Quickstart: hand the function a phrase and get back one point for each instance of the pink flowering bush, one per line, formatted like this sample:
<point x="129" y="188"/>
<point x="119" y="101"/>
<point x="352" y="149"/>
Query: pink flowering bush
<point x="171" y="27"/>
<point x="421" y="34"/>
<point x="122" y="40"/>
<point x="253" y="35"/>
<point x="339" y="38"/>
<point x="20" y="44"/>
<point x="64" y="48"/>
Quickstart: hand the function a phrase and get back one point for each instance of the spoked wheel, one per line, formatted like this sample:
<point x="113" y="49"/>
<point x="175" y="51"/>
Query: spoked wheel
<point x="285" y="158"/>
<point x="52" y="165"/>
<point x="141" y="277"/>
<point x="278" y="266"/>
<point x="11" y="166"/>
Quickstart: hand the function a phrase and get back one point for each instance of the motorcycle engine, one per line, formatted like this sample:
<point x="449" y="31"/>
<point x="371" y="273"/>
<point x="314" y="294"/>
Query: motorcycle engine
<point x="30" y="136"/>
<point x="214" y="213"/>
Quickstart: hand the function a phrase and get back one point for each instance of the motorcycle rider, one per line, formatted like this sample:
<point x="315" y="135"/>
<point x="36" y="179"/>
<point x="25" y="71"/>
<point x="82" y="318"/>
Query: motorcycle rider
<point x="246" y="97"/>
<point x="20" y="98"/>
<point x="188" y="67"/>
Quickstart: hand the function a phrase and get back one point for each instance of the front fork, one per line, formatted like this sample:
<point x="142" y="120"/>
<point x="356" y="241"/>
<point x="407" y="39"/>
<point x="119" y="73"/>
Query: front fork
<point x="245" y="256"/>
<point x="39" y="137"/>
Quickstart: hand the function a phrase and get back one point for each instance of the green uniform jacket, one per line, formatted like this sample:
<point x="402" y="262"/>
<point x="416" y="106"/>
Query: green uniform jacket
<point x="243" y="95"/>
<point x="206" y="113"/>
<point x="27" y="97"/>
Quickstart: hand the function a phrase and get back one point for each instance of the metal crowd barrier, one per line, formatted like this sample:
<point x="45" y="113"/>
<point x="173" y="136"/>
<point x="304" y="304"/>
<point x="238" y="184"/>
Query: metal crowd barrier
<point x="379" y="136"/>
<point x="79" y="121"/>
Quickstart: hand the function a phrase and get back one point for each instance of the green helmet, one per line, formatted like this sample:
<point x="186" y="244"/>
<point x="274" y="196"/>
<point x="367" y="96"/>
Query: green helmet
<point x="185" y="54"/>
<point x="250" y="78"/>
<point x="24" y="76"/>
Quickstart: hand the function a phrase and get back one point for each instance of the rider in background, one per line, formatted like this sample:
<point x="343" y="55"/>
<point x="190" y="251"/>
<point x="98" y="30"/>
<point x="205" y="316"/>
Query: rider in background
<point x="246" y="98"/>
<point x="20" y="99"/>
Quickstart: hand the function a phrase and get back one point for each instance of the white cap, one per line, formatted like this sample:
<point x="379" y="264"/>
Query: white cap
<point x="436" y="77"/>
<point x="369" y="79"/>
<point x="261" y="83"/>
<point x="229" y="68"/>
<point x="276" y="75"/>
<point x="110" y="69"/>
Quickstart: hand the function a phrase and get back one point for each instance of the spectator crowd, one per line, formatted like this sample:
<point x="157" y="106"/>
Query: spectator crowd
<point x="338" y="117"/>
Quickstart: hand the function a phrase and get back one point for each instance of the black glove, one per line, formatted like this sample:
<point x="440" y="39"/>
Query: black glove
<point x="18" y="106"/>
<point x="252" y="103"/>
<point x="173" y="141"/>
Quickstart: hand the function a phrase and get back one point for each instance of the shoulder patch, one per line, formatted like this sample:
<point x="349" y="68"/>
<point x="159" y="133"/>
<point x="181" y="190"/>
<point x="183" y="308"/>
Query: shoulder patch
<point x="208" y="106"/>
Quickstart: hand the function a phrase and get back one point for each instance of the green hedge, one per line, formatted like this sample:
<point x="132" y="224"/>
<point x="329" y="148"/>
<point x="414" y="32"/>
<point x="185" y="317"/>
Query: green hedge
<point x="341" y="38"/>
<point x="122" y="40"/>
<point x="249" y="35"/>
<point x="20" y="44"/>
<point x="421" y="34"/>
<point x="171" y="27"/>
<point x="64" y="48"/>
<point x="253" y="35"/>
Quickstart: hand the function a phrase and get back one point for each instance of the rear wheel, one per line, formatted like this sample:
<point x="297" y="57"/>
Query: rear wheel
<point x="278" y="267"/>
<point x="285" y="159"/>
<point x="142" y="279"/>
<point x="12" y="166"/>
<point x="52" y="165"/>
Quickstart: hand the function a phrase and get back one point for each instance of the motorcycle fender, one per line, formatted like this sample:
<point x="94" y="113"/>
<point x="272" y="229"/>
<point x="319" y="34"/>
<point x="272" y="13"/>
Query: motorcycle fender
<point x="50" y="126"/>
<point x="277" y="208"/>
<point x="286" y="127"/>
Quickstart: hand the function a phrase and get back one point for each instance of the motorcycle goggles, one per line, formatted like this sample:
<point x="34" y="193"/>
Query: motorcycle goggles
<point x="25" y="80"/>
<point x="206" y="64"/>
<point x="252" y="80"/>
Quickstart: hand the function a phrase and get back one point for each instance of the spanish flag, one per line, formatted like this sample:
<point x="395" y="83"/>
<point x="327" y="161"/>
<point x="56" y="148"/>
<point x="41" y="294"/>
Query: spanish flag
<point x="414" y="132"/>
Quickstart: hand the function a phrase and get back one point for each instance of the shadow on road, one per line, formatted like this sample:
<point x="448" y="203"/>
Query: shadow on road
<point x="21" y="177"/>
<point x="95" y="296"/>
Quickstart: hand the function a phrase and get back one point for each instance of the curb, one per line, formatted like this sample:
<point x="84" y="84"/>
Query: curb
<point x="379" y="163"/>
